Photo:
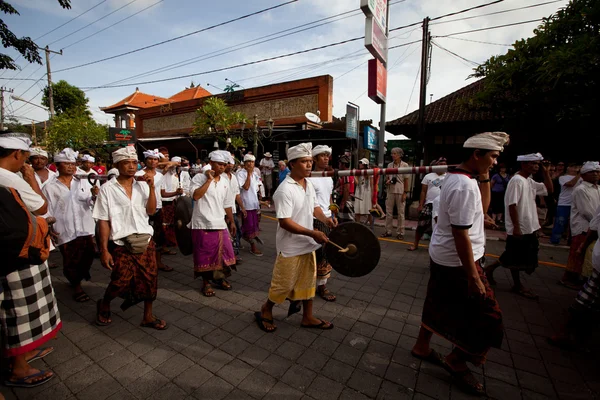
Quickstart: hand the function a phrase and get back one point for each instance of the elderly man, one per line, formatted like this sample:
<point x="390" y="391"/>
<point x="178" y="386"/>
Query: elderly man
<point x="522" y="222"/>
<point x="28" y="310"/>
<point x="585" y="202"/>
<point x="295" y="270"/>
<point x="430" y="189"/>
<point x="127" y="249"/>
<point x="39" y="161"/>
<point x="283" y="171"/>
<point x="70" y="202"/>
<point x="249" y="186"/>
<point x="213" y="251"/>
<point x="460" y="305"/>
<point x="397" y="190"/>
<point x="266" y="168"/>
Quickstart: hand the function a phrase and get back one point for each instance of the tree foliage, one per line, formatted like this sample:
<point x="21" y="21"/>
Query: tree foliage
<point x="554" y="74"/>
<point x="215" y="119"/>
<point x="25" y="46"/>
<point x="67" y="98"/>
<point x="75" y="130"/>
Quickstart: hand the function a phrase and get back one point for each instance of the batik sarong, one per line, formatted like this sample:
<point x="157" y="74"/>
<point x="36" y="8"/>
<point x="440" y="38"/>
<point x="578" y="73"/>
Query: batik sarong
<point x="78" y="256"/>
<point x="156" y="221"/>
<point x="575" y="260"/>
<point x="250" y="224"/>
<point x="521" y="253"/>
<point x="471" y="324"/>
<point x="29" y="311"/>
<point x="212" y="250"/>
<point x="294" y="278"/>
<point x="424" y="223"/>
<point x="323" y="267"/>
<point x="168" y="223"/>
<point x="134" y="277"/>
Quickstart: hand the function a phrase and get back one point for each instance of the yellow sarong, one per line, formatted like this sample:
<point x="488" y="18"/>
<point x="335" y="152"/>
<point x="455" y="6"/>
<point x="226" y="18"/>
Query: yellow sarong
<point x="294" y="278"/>
<point x="587" y="263"/>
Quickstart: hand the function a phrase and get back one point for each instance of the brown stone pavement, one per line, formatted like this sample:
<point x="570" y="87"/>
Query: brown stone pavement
<point x="214" y="349"/>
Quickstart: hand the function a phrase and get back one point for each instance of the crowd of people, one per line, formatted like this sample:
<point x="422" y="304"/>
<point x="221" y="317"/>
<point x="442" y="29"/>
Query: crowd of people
<point x="126" y="218"/>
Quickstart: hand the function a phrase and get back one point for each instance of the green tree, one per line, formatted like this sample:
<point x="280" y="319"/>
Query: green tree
<point x="67" y="98"/>
<point x="75" y="130"/>
<point x="25" y="46"/>
<point x="553" y="75"/>
<point x="215" y="119"/>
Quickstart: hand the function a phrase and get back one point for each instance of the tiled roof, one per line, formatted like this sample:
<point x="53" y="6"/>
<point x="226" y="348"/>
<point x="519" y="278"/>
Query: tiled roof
<point x="450" y="108"/>
<point x="191" y="93"/>
<point x="139" y="100"/>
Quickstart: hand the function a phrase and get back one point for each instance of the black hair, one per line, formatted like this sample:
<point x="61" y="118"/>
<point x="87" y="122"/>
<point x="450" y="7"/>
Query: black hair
<point x="467" y="153"/>
<point x="6" y="152"/>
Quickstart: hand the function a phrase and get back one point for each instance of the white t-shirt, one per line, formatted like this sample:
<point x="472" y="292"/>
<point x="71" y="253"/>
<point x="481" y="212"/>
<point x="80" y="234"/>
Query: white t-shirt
<point x="269" y="164"/>
<point x="31" y="199"/>
<point x="522" y="192"/>
<point x="292" y="201"/>
<point x="234" y="186"/>
<point x="323" y="189"/>
<point x="158" y="178"/>
<point x="566" y="193"/>
<point x="250" y="196"/>
<point x="209" y="210"/>
<point x="460" y="206"/>
<point x="434" y="183"/>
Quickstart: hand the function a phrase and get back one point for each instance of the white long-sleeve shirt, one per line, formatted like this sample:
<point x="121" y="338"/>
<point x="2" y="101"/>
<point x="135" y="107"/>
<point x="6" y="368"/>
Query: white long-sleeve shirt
<point x="585" y="202"/>
<point x="71" y="207"/>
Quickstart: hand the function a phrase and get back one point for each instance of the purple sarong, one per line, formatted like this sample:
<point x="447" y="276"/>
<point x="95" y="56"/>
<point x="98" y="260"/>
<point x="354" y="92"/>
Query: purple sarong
<point x="212" y="250"/>
<point x="250" y="224"/>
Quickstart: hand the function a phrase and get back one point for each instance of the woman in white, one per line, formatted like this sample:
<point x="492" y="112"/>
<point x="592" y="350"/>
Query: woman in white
<point x="363" y="193"/>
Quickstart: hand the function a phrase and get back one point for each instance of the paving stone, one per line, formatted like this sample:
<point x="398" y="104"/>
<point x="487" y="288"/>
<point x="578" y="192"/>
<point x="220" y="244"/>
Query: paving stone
<point x="535" y="383"/>
<point x="76" y="383"/>
<point x="298" y="377"/>
<point x="336" y="334"/>
<point x="357" y="341"/>
<point x="402" y="375"/>
<point x="197" y="350"/>
<point x="55" y="392"/>
<point x="325" y="345"/>
<point x="391" y="391"/>
<point x="215" y="360"/>
<point x="347" y="355"/>
<point x="182" y="341"/>
<point x="100" y="390"/>
<point x="202" y="329"/>
<point x="170" y="392"/>
<point x="501" y="390"/>
<point x="234" y="346"/>
<point x="283" y="391"/>
<point x="364" y="329"/>
<point x="72" y="366"/>
<point x="312" y="360"/>
<point x="217" y="337"/>
<point x="572" y="390"/>
<point x="290" y="350"/>
<point x="214" y="388"/>
<point x="374" y="364"/>
<point x="157" y="356"/>
<point x="235" y="372"/>
<point x="500" y="357"/>
<point x="337" y="371"/>
<point x="386" y="336"/>
<point x="192" y="378"/>
<point x="433" y="386"/>
<point x="270" y="342"/>
<point x="365" y="383"/>
<point x="257" y="384"/>
<point x="254" y="355"/>
<point x="275" y="365"/>
<point x="234" y="326"/>
<point x="131" y="372"/>
<point x="146" y="385"/>
<point x="174" y="366"/>
<point x="303" y="337"/>
<point x="500" y="372"/>
<point x="324" y="388"/>
<point x="529" y="364"/>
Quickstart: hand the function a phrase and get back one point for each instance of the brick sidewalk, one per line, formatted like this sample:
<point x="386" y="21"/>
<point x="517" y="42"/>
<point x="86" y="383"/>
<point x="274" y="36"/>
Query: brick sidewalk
<point x="213" y="348"/>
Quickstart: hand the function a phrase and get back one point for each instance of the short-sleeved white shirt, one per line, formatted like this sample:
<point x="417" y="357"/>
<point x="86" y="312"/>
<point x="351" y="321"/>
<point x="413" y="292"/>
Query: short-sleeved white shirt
<point x="522" y="192"/>
<point x="323" y="189"/>
<point x="586" y="200"/>
<point x="434" y="183"/>
<point x="435" y="211"/>
<point x="292" y="201"/>
<point x="209" y="210"/>
<point x="127" y="216"/>
<point x="250" y="196"/>
<point x="158" y="178"/>
<point x="31" y="199"/>
<point x="565" y="198"/>
<point x="269" y="164"/>
<point x="460" y="206"/>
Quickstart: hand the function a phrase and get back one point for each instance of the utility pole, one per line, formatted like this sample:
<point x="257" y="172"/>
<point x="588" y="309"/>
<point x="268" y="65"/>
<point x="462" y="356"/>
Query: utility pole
<point x="2" y="90"/>
<point x="381" y="154"/>
<point x="420" y="153"/>
<point x="49" y="74"/>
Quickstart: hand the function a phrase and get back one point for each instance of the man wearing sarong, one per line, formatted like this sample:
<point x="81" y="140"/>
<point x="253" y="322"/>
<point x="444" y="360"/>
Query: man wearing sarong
<point x="430" y="189"/>
<point x="127" y="249"/>
<point x="585" y="202"/>
<point x="213" y="200"/>
<point x="295" y="270"/>
<point x="249" y="187"/>
<point x="70" y="202"/>
<point x="522" y="223"/>
<point x="151" y="160"/>
<point x="235" y="192"/>
<point x="170" y="190"/>
<point x="460" y="305"/>
<point x="28" y="310"/>
<point x="39" y="161"/>
<point x="323" y="191"/>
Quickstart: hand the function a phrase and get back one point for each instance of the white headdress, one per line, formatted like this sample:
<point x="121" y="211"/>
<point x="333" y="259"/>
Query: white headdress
<point x="231" y="160"/>
<point x="321" y="149"/>
<point x="125" y="153"/>
<point x="219" y="156"/>
<point x="249" y="157"/>
<point x="176" y="159"/>
<point x="530" y="157"/>
<point x="67" y="155"/>
<point x="38" y="151"/>
<point x="15" y="141"/>
<point x="87" y="157"/>
<point x="300" y="151"/>
<point x="590" y="166"/>
<point x="487" y="141"/>
<point x="363" y="161"/>
<point x="153" y="154"/>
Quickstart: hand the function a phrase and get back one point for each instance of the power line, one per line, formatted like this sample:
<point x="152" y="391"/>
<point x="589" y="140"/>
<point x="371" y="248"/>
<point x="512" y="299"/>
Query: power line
<point x="178" y="37"/>
<point x="499" y="12"/>
<point x="71" y="20"/>
<point x="472" y="63"/>
<point x="18" y="79"/>
<point x="489" y="28"/>
<point x="413" y="90"/>
<point x="477" y="41"/>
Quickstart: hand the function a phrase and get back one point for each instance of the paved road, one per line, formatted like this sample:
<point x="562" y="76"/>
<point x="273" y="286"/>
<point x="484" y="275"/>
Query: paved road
<point x="214" y="349"/>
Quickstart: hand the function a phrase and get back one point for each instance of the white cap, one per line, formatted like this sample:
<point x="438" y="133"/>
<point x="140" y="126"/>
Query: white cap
<point x="219" y="156"/>
<point x="67" y="155"/>
<point x="300" y="151"/>
<point x="363" y="161"/>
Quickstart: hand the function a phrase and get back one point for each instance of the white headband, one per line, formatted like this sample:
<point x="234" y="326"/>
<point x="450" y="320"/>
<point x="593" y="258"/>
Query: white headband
<point x="321" y="149"/>
<point x="67" y="155"/>
<point x="15" y="141"/>
<point x="300" y="151"/>
<point x="219" y="156"/>
<point x="153" y="154"/>
<point x="38" y="151"/>
<point x="530" y="157"/>
<point x="125" y="153"/>
<point x="590" y="166"/>
<point x="249" y="157"/>
<point x="87" y="157"/>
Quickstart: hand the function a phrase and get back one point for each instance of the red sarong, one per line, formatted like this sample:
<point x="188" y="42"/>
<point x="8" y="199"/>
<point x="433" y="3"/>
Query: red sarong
<point x="168" y="223"/>
<point x="575" y="261"/>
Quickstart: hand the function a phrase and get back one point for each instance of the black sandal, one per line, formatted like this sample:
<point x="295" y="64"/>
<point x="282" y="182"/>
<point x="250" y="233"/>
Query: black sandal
<point x="433" y="357"/>
<point x="260" y="322"/>
<point x="155" y="324"/>
<point x="325" y="326"/>
<point x="81" y="297"/>
<point x="326" y="295"/>
<point x="385" y="235"/>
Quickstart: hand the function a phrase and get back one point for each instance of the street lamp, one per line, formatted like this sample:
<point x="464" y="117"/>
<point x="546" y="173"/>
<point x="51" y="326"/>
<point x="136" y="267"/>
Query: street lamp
<point x="17" y="98"/>
<point x="259" y="134"/>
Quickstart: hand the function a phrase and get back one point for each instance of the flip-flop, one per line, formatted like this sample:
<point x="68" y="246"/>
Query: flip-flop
<point x="323" y="326"/>
<point x="259" y="321"/>
<point x="295" y="307"/>
<point x="465" y="381"/>
<point x="222" y="284"/>
<point x="412" y="248"/>
<point x="81" y="297"/>
<point x="39" y="355"/>
<point x="168" y="252"/>
<point x="206" y="292"/>
<point x="527" y="293"/>
<point x="105" y="315"/>
<point x="326" y="295"/>
<point x="166" y="268"/>
<point x="21" y="382"/>
<point x="155" y="324"/>
<point x="433" y="357"/>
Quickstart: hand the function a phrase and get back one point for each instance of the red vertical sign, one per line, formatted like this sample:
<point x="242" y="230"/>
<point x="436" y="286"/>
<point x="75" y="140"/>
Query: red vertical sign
<point x="377" y="88"/>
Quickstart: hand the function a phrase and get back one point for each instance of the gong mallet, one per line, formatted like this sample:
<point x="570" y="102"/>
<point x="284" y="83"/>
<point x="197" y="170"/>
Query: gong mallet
<point x="350" y="249"/>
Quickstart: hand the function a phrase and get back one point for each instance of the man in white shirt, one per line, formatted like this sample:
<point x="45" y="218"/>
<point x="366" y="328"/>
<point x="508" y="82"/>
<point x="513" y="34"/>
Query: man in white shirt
<point x="585" y="202"/>
<point x="170" y="190"/>
<point x="430" y="189"/>
<point x="127" y="249"/>
<point x="567" y="184"/>
<point x="70" y="202"/>
<point x="460" y="305"/>
<point x="397" y="190"/>
<point x="522" y="222"/>
<point x="295" y="270"/>
<point x="249" y="187"/>
<point x="213" y="200"/>
<point x="39" y="161"/>
<point x="266" y="168"/>
<point x="323" y="191"/>
<point x="87" y="162"/>
<point x="28" y="311"/>
<point x="185" y="179"/>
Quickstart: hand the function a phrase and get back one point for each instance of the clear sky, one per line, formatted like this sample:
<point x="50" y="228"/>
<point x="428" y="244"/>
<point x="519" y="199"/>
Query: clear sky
<point x="165" y="19"/>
